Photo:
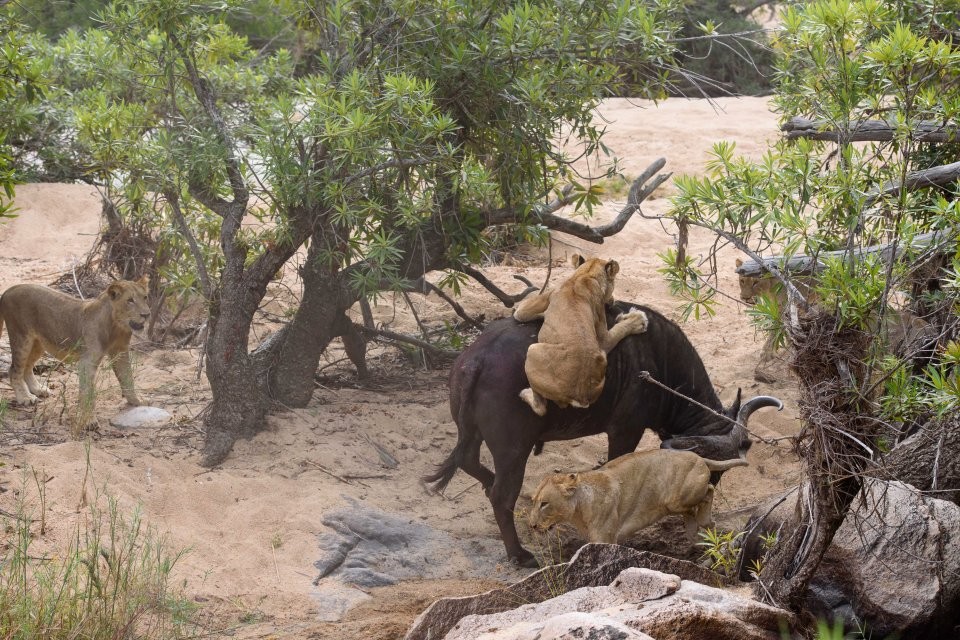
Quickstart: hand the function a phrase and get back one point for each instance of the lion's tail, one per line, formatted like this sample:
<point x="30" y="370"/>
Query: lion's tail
<point x="723" y="465"/>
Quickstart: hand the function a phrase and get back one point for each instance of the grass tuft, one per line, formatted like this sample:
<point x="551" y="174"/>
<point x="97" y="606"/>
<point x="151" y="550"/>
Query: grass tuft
<point x="113" y="580"/>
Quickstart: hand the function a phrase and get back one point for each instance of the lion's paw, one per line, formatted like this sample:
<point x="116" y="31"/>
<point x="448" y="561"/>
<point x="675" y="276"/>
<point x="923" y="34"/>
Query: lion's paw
<point x="635" y="319"/>
<point x="535" y="400"/>
<point x="26" y="400"/>
<point x="43" y="391"/>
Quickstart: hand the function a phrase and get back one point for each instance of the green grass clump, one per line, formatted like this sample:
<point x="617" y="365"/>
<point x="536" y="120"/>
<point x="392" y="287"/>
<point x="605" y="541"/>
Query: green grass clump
<point x="113" y="581"/>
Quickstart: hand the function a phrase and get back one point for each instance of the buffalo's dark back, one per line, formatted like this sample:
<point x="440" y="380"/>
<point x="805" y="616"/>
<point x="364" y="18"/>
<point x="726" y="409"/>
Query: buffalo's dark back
<point x="487" y="378"/>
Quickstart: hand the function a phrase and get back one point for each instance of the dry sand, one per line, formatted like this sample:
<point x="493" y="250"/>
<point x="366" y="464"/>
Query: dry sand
<point x="254" y="526"/>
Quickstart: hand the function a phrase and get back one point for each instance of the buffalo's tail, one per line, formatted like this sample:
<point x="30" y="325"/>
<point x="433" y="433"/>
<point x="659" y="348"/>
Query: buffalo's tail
<point x="466" y="432"/>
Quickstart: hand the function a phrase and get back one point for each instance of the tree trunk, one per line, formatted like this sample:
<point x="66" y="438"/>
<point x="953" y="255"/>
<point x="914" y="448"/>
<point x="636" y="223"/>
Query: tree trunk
<point x="822" y="507"/>
<point x="290" y="357"/>
<point x="240" y="395"/>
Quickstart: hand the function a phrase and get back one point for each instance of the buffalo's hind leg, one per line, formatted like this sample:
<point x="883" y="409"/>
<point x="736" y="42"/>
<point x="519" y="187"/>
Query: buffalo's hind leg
<point x="471" y="463"/>
<point x="508" y="480"/>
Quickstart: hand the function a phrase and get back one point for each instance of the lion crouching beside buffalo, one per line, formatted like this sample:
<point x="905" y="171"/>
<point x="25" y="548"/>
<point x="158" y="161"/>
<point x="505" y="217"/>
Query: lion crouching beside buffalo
<point x="630" y="493"/>
<point x="42" y="320"/>
<point x="641" y="375"/>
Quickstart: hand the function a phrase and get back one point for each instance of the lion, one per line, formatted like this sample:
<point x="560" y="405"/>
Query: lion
<point x="568" y="363"/>
<point x="40" y="319"/>
<point x="630" y="493"/>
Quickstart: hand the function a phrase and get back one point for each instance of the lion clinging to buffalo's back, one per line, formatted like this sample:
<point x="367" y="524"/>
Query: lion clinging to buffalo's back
<point x="568" y="363"/>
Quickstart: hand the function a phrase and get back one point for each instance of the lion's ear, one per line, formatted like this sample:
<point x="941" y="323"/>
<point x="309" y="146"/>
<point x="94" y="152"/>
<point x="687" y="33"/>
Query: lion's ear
<point x="569" y="485"/>
<point x="612" y="268"/>
<point x="576" y="260"/>
<point x="144" y="281"/>
<point x="114" y="290"/>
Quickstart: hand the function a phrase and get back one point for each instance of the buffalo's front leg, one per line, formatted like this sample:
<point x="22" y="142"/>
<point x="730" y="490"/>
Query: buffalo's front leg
<point x="509" y="468"/>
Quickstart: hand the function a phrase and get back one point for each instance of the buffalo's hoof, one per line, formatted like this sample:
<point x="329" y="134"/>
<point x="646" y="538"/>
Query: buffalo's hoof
<point x="525" y="559"/>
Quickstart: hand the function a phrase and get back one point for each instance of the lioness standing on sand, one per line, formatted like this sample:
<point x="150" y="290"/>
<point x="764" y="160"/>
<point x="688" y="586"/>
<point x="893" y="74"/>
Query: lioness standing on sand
<point x="40" y="319"/>
<point x="568" y="364"/>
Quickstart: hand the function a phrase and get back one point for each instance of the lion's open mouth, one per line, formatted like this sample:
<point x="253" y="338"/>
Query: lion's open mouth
<point x="136" y="325"/>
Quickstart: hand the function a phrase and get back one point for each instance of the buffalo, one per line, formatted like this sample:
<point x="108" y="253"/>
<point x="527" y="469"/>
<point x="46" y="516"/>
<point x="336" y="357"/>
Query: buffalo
<point x="487" y="378"/>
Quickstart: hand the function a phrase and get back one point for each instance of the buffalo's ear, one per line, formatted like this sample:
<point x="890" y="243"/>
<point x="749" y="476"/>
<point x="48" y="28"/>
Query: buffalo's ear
<point x="734" y="409"/>
<point x="576" y="260"/>
<point x="612" y="269"/>
<point x="738" y="262"/>
<point x="114" y="290"/>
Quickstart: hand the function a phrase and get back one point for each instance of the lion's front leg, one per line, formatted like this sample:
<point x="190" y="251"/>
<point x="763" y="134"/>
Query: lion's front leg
<point x="87" y="372"/>
<point x="124" y="372"/>
<point x="629" y="323"/>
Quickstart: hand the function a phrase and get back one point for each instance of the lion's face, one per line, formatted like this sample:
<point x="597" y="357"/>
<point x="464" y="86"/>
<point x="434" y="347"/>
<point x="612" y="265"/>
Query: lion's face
<point x="553" y="501"/>
<point x="603" y="271"/>
<point x="129" y="302"/>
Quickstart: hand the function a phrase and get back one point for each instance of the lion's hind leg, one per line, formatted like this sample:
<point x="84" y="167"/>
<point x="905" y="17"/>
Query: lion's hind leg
<point x="24" y="351"/>
<point x="35" y="386"/>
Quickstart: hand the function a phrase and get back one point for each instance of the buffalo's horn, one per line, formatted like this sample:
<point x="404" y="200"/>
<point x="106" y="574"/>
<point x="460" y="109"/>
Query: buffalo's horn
<point x="755" y="403"/>
<point x="739" y="433"/>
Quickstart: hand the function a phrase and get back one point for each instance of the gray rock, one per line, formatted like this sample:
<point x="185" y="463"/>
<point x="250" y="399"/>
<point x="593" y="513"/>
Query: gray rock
<point x="367" y="548"/>
<point x="592" y="566"/>
<point x="568" y="626"/>
<point x="662" y="606"/>
<point x="141" y="418"/>
<point x="894" y="564"/>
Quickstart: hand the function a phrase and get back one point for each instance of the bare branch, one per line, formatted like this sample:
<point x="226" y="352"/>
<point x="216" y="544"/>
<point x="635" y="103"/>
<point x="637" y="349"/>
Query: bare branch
<point x="507" y="299"/>
<point x="545" y="215"/>
<point x="803" y="264"/>
<point x="433" y="350"/>
<point x="427" y="287"/>
<point x="868" y="130"/>
<point x="173" y="200"/>
<point x="933" y="177"/>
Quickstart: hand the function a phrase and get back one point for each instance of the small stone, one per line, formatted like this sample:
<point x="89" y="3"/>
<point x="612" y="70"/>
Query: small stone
<point x="141" y="418"/>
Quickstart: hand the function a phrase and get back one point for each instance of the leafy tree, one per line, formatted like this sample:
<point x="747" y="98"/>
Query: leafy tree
<point x="870" y="165"/>
<point x="405" y="130"/>
<point x="19" y="87"/>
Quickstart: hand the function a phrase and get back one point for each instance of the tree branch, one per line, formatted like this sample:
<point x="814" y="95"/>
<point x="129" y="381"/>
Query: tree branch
<point x="868" y="130"/>
<point x="925" y="178"/>
<point x="507" y="299"/>
<point x="232" y="212"/>
<point x="639" y="191"/>
<point x="803" y="264"/>
<point x="435" y="351"/>
<point x="173" y="200"/>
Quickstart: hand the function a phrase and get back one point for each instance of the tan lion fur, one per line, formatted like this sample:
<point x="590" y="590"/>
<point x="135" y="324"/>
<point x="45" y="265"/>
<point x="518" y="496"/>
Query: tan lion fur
<point x="630" y="493"/>
<point x="568" y="363"/>
<point x="40" y="319"/>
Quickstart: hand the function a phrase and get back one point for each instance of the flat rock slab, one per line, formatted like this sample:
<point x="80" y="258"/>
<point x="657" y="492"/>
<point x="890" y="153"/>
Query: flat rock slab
<point x="141" y="418"/>
<point x="368" y="548"/>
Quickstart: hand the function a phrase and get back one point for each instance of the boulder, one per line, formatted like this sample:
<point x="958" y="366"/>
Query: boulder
<point x="894" y="564"/>
<point x="593" y="566"/>
<point x="641" y="603"/>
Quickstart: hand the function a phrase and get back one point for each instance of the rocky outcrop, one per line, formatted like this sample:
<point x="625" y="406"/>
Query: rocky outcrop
<point x="640" y="603"/>
<point x="605" y="591"/>
<point x="894" y="564"/>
